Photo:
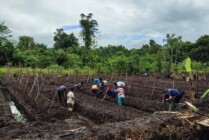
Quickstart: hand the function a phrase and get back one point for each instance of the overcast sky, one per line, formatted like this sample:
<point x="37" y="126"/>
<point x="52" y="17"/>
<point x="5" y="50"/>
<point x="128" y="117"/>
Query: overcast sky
<point x="121" y="22"/>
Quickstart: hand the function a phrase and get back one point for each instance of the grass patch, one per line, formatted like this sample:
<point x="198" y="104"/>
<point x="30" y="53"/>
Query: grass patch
<point x="54" y="70"/>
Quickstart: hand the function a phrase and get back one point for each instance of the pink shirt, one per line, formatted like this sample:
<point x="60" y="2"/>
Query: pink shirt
<point x="120" y="92"/>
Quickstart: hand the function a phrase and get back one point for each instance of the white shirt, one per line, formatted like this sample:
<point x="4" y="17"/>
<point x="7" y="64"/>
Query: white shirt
<point x="105" y="82"/>
<point x="121" y="84"/>
<point x="70" y="98"/>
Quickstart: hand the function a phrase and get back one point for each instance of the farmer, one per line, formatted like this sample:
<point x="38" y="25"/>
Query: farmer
<point x="94" y="89"/>
<point x="79" y="86"/>
<point x="70" y="100"/>
<point x="120" y="84"/>
<point x="105" y="82"/>
<point x="110" y="93"/>
<point x="120" y="94"/>
<point x="96" y="80"/>
<point x="173" y="94"/>
<point x="61" y="91"/>
<point x="101" y="86"/>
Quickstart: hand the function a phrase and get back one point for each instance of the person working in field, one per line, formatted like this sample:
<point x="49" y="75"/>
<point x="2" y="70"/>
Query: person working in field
<point x="79" y="86"/>
<point x="110" y="93"/>
<point x="105" y="82"/>
<point x="173" y="94"/>
<point x="96" y="80"/>
<point x="120" y="94"/>
<point x="101" y="86"/>
<point x="95" y="89"/>
<point x="61" y="91"/>
<point x="70" y="100"/>
<point x="120" y="84"/>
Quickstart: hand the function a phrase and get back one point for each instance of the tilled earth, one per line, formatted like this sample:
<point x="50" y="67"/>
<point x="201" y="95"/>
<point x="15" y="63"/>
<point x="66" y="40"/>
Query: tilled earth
<point x="93" y="118"/>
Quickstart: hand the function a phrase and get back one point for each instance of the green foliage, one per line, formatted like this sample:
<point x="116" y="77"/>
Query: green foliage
<point x="2" y="71"/>
<point x="200" y="50"/>
<point x="63" y="40"/>
<point x="172" y="46"/>
<point x="6" y="48"/>
<point x="26" y="43"/>
<point x="4" y="31"/>
<point x="19" y="58"/>
<point x="72" y="61"/>
<point x="68" y="56"/>
<point x="6" y="52"/>
<point x="89" y="29"/>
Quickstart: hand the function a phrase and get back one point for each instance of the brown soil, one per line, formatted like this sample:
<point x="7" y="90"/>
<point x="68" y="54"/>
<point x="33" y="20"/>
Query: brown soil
<point x="93" y="118"/>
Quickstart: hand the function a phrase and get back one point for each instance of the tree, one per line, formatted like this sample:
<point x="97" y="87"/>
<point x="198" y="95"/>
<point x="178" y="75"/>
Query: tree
<point x="201" y="49"/>
<point x="26" y="43"/>
<point x="6" y="52"/>
<point x="63" y="40"/>
<point x="4" y="31"/>
<point x="172" y="46"/>
<point x="154" y="47"/>
<point x="185" y="50"/>
<point x="6" y="48"/>
<point x="89" y="29"/>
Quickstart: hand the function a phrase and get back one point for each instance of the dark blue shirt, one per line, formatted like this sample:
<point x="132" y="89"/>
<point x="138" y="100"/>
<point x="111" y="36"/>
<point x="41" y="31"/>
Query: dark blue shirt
<point x="174" y="92"/>
<point x="111" y="93"/>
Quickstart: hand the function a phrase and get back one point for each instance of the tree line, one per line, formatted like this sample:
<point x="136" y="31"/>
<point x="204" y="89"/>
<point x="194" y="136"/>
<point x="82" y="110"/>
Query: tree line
<point x="69" y="54"/>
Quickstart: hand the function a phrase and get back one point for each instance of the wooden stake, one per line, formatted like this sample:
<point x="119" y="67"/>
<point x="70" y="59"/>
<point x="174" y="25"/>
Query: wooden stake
<point x="38" y="90"/>
<point x="112" y="77"/>
<point x="153" y="88"/>
<point x="33" y="85"/>
<point x="52" y="101"/>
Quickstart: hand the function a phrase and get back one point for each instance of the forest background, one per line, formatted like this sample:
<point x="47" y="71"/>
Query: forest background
<point x="68" y="56"/>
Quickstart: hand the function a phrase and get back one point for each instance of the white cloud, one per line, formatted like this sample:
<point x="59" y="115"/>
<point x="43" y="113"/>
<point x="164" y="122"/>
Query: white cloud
<point x="116" y="18"/>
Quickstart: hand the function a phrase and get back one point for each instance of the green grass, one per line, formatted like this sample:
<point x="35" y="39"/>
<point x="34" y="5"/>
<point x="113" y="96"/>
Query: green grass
<point x="55" y="70"/>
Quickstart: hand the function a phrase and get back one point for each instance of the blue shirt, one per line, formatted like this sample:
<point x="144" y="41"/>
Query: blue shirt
<point x="111" y="93"/>
<point x="173" y="92"/>
<point x="96" y="80"/>
<point x="62" y="88"/>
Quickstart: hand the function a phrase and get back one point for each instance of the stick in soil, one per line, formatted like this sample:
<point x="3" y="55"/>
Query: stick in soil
<point x="20" y="82"/>
<point x="52" y="101"/>
<point x="153" y="88"/>
<point x="38" y="90"/>
<point x="130" y="82"/>
<point x="33" y="85"/>
<point x="111" y="77"/>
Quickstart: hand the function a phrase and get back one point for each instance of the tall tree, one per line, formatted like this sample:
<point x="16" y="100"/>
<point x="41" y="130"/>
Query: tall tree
<point x="6" y="48"/>
<point x="4" y="31"/>
<point x="89" y="29"/>
<point x="63" y="40"/>
<point x="172" y="46"/>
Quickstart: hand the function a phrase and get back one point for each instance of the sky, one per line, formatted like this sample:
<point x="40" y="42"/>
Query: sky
<point x="130" y="23"/>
